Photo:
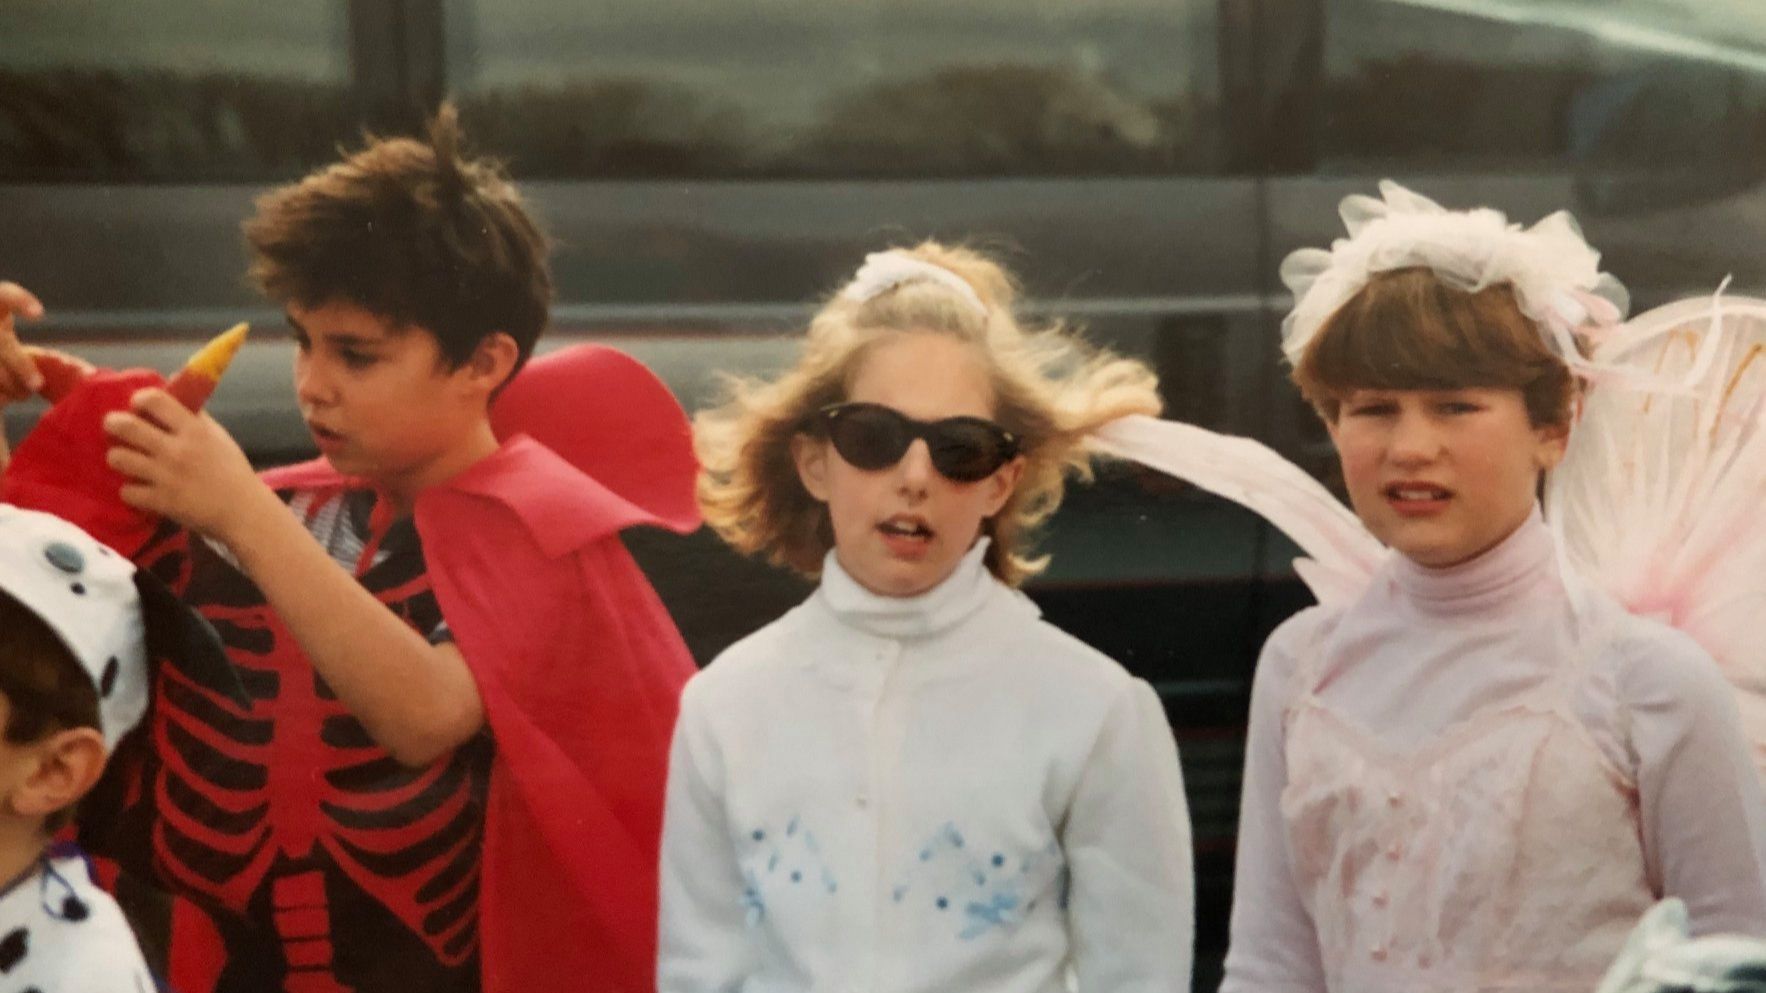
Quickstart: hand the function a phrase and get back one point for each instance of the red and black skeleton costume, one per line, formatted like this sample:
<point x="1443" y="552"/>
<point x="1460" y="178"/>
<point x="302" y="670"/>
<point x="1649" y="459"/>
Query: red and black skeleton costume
<point x="304" y="857"/>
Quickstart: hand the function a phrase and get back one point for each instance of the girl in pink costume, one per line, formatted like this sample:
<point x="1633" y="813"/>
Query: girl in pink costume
<point x="1471" y="767"/>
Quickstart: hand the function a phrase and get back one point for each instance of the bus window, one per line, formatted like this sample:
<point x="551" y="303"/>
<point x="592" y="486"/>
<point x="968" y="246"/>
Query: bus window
<point x="806" y="88"/>
<point x="182" y="90"/>
<point x="1525" y="84"/>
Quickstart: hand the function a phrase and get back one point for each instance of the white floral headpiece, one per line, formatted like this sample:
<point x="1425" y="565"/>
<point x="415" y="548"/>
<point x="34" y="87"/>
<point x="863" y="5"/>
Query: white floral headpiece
<point x="1555" y="274"/>
<point x="884" y="271"/>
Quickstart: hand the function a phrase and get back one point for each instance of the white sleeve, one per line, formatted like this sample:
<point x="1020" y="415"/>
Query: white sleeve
<point x="1131" y="907"/>
<point x="702" y="926"/>
<point x="1700" y="797"/>
<point x="1274" y="944"/>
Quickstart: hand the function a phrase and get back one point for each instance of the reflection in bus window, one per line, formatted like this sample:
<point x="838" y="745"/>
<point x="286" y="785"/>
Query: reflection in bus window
<point x="171" y="89"/>
<point x="832" y="88"/>
<point x="1528" y="83"/>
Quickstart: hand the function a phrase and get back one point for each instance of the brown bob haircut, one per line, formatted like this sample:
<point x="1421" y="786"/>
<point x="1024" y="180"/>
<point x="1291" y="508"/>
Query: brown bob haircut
<point x="412" y="232"/>
<point x="1409" y="330"/>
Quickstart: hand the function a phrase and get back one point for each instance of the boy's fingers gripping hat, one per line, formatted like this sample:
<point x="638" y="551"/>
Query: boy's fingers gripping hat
<point x="112" y="617"/>
<point x="60" y="466"/>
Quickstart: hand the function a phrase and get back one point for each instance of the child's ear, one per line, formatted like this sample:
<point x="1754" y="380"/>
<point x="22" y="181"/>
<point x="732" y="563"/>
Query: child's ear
<point x="69" y="763"/>
<point x="1001" y="484"/>
<point x="811" y="456"/>
<point x="1550" y="443"/>
<point x="493" y="361"/>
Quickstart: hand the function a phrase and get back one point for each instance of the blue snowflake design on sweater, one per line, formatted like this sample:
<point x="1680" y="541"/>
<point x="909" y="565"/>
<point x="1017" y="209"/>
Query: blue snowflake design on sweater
<point x="984" y="890"/>
<point x="785" y="855"/>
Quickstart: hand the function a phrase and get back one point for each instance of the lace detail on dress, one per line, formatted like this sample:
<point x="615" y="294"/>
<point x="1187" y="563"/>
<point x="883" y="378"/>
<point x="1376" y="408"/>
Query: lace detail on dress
<point x="1504" y="853"/>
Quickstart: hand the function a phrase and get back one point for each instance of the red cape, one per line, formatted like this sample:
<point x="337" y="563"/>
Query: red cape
<point x="579" y="664"/>
<point x="580" y="669"/>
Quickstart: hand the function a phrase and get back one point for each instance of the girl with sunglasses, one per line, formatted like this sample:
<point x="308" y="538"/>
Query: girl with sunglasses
<point x="909" y="781"/>
<point x="1470" y="767"/>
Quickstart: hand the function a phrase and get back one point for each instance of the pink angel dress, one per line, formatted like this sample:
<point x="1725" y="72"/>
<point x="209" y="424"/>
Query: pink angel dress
<point x="1478" y="779"/>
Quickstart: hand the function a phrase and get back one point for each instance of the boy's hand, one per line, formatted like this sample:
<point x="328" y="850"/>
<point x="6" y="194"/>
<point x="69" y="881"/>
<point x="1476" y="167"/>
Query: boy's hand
<point x="184" y="466"/>
<point x="19" y="378"/>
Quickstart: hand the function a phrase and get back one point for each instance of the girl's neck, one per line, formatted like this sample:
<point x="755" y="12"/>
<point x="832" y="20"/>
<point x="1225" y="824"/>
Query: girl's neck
<point x="1509" y="566"/>
<point x="955" y="598"/>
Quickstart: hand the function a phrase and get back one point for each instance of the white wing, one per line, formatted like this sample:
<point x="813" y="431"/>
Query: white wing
<point x="1343" y="554"/>
<point x="1659" y="498"/>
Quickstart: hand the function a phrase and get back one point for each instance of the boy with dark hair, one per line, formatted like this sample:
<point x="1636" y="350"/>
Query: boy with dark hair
<point x="77" y="623"/>
<point x="451" y="777"/>
<point x="415" y="234"/>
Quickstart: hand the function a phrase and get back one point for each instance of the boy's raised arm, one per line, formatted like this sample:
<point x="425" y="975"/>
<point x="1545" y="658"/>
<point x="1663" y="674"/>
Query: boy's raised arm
<point x="417" y="700"/>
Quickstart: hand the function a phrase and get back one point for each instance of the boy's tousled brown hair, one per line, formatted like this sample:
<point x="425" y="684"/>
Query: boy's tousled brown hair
<point x="1408" y="329"/>
<point x="1050" y="389"/>
<point x="413" y="232"/>
<point x="45" y="687"/>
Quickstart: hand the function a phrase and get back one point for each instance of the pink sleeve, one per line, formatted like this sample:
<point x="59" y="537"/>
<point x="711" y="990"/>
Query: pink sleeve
<point x="1702" y="803"/>
<point x="1274" y="943"/>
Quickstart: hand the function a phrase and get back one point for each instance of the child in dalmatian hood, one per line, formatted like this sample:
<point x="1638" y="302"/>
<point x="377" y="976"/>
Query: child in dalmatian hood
<point x="78" y="627"/>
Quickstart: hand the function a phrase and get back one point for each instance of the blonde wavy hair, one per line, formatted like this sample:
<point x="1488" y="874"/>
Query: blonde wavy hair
<point x="1050" y="388"/>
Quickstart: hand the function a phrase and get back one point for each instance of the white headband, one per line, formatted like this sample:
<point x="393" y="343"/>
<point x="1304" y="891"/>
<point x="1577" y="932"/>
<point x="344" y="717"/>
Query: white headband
<point x="884" y="271"/>
<point x="1555" y="274"/>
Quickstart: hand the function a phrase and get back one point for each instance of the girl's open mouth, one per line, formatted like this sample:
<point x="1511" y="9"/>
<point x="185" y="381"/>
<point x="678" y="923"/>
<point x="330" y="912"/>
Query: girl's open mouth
<point x="1416" y="499"/>
<point x="905" y="535"/>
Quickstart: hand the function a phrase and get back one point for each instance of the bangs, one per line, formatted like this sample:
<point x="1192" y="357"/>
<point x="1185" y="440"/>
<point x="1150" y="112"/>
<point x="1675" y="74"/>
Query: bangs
<point x="1408" y="330"/>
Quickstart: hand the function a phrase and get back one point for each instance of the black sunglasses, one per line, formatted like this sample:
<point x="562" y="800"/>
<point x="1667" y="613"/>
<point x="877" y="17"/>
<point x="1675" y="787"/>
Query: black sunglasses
<point x="871" y="436"/>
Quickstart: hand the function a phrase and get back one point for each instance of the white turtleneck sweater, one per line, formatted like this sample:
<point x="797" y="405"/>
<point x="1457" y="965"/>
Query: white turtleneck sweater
<point x="931" y="793"/>
<point x="1425" y="650"/>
